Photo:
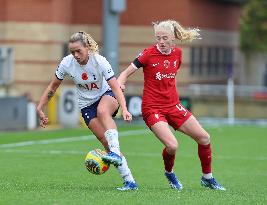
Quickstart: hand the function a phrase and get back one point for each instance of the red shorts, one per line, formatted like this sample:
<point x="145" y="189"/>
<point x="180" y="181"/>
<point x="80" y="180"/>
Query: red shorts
<point x="175" y="116"/>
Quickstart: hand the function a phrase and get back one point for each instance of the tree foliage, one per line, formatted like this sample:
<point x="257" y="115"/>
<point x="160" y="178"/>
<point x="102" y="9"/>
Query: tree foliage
<point x="253" y="26"/>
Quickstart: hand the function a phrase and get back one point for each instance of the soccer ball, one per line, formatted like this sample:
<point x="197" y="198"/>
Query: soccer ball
<point x="94" y="163"/>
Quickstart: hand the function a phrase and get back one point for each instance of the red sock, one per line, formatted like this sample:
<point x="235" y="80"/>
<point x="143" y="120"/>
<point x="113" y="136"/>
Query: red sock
<point x="204" y="153"/>
<point x="168" y="160"/>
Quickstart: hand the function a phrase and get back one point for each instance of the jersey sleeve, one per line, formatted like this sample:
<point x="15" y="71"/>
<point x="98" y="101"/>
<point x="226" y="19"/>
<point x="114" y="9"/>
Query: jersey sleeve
<point x="141" y="59"/>
<point x="61" y="72"/>
<point x="105" y="68"/>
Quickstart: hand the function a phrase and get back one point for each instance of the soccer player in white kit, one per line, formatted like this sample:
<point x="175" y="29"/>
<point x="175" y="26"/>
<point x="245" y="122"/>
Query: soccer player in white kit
<point x="99" y="97"/>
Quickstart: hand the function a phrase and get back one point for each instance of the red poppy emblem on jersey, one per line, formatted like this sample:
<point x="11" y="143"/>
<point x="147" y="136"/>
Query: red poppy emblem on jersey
<point x="167" y="64"/>
<point x="84" y="76"/>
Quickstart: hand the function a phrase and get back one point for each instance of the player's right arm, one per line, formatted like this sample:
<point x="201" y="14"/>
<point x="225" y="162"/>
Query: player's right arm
<point x="122" y="79"/>
<point x="138" y="62"/>
<point x="46" y="96"/>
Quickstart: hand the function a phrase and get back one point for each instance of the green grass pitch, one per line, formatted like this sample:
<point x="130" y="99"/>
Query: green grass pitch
<point x="47" y="168"/>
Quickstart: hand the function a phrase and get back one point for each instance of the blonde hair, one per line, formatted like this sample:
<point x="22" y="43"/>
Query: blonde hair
<point x="86" y="40"/>
<point x="174" y="28"/>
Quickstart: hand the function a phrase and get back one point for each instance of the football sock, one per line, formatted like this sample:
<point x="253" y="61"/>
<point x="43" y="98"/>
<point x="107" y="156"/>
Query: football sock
<point x="204" y="153"/>
<point x="207" y="176"/>
<point x="112" y="137"/>
<point x="168" y="160"/>
<point x="124" y="171"/>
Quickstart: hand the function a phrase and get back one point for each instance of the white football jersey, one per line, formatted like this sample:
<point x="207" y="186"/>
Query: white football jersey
<point x="90" y="79"/>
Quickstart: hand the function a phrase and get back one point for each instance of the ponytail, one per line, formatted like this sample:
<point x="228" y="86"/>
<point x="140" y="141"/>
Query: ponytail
<point x="181" y="34"/>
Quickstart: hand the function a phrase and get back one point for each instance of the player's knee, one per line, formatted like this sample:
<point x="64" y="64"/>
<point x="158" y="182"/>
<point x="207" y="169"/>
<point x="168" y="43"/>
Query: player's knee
<point x="204" y="140"/>
<point x="102" y="113"/>
<point x="172" y="147"/>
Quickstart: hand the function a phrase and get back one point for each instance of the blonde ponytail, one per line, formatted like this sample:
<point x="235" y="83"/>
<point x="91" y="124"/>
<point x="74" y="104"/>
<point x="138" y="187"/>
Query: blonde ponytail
<point x="183" y="35"/>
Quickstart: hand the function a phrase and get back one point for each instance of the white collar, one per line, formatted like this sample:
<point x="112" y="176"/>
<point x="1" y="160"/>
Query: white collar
<point x="169" y="52"/>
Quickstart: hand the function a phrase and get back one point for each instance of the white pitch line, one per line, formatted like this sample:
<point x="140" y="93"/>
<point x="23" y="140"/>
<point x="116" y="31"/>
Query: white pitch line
<point x="52" y="152"/>
<point x="70" y="139"/>
<point x="260" y="158"/>
<point x="143" y="154"/>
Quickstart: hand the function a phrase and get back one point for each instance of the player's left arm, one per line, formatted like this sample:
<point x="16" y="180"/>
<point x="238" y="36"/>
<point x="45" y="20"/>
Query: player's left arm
<point x="114" y="85"/>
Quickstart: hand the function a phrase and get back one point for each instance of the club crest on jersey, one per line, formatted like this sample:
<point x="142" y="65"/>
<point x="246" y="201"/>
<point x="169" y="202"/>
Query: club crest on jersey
<point x="175" y="63"/>
<point x="166" y="64"/>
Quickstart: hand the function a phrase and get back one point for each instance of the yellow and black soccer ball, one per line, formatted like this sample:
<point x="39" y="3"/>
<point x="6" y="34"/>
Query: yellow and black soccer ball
<point x="94" y="163"/>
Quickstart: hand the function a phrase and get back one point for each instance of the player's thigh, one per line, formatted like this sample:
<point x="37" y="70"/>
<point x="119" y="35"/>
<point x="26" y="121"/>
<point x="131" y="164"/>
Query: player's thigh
<point x="192" y="128"/>
<point x="107" y="105"/>
<point x="177" y="115"/>
<point x="163" y="133"/>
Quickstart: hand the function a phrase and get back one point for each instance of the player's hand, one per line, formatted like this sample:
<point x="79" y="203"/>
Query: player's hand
<point x="122" y="87"/>
<point x="127" y="116"/>
<point x="43" y="121"/>
<point x="43" y="118"/>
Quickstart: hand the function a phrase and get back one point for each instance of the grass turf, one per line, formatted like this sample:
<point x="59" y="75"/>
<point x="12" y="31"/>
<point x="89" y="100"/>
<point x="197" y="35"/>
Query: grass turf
<point x="52" y="172"/>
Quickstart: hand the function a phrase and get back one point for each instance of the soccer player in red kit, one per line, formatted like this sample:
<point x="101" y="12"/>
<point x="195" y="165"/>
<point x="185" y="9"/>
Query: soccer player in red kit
<point x="160" y="104"/>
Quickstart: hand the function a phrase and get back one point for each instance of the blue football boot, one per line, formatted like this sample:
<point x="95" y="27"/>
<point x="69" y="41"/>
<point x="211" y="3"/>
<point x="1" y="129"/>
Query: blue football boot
<point x="173" y="181"/>
<point x="211" y="183"/>
<point x="112" y="158"/>
<point x="128" y="186"/>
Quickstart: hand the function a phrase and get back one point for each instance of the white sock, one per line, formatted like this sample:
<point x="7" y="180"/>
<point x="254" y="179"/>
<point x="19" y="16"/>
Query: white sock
<point x="112" y="137"/>
<point x="207" y="176"/>
<point x="124" y="171"/>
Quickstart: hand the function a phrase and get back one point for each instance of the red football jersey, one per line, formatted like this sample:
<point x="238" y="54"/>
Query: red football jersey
<point x="159" y="77"/>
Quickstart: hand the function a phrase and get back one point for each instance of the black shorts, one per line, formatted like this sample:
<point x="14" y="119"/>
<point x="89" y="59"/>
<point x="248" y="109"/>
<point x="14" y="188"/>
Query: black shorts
<point x="90" y="112"/>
